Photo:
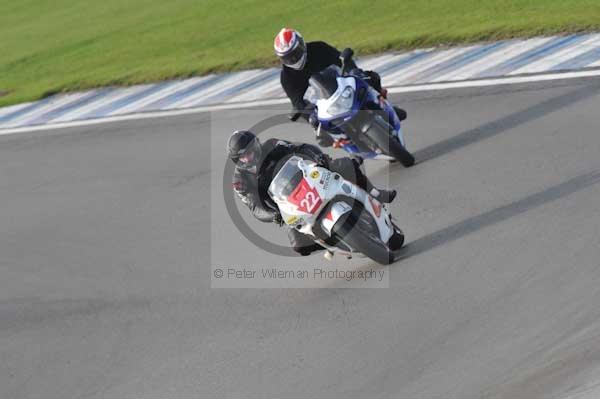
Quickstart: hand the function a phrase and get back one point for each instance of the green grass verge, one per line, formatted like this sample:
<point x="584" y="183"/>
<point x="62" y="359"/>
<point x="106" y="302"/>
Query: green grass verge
<point x="49" y="46"/>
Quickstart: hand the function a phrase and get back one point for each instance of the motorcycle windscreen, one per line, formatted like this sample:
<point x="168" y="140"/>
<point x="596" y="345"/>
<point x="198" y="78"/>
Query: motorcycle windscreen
<point x="324" y="83"/>
<point x="286" y="180"/>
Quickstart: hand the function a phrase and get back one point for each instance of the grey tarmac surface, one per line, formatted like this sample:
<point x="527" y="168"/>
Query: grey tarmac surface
<point x="107" y="234"/>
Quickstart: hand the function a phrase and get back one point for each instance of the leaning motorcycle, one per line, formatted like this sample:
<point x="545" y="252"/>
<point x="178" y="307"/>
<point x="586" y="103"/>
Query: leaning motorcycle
<point x="358" y="118"/>
<point x="337" y="214"/>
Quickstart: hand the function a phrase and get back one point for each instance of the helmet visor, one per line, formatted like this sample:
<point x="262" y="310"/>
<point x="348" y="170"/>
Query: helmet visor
<point x="294" y="56"/>
<point x="250" y="158"/>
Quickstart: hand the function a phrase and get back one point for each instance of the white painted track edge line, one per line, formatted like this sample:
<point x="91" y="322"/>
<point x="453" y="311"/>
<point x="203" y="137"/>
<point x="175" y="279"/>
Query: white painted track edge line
<point x="279" y="101"/>
<point x="507" y="80"/>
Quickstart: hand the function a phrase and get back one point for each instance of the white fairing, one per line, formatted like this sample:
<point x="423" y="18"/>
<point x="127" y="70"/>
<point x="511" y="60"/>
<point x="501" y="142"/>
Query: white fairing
<point x="302" y="190"/>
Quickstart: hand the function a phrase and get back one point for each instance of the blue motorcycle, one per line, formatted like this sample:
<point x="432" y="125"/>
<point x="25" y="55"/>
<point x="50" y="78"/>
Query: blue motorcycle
<point x="357" y="117"/>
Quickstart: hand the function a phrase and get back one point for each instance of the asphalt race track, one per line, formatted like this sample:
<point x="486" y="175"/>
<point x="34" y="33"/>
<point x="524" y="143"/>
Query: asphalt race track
<point x="107" y="234"/>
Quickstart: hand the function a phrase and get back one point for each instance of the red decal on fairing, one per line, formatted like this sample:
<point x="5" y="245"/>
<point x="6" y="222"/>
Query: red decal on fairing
<point x="376" y="206"/>
<point x="305" y="197"/>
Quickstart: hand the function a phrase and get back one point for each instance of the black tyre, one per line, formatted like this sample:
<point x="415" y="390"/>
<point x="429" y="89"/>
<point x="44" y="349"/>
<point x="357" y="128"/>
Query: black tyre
<point x="396" y="241"/>
<point x="378" y="132"/>
<point x="359" y="231"/>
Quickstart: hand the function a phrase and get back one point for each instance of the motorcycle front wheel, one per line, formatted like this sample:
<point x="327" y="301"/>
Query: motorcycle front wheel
<point x="359" y="231"/>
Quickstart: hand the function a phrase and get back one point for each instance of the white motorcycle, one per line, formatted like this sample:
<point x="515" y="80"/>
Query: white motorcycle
<point x="339" y="215"/>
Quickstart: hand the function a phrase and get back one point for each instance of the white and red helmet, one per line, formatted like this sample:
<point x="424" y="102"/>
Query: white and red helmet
<point x="290" y="48"/>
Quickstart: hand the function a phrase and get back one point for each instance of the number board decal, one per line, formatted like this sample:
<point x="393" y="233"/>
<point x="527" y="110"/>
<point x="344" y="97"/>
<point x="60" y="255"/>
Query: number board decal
<point x="305" y="197"/>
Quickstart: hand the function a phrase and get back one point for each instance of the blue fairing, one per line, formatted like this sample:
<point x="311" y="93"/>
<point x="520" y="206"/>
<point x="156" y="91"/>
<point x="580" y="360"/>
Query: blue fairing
<point x="336" y="130"/>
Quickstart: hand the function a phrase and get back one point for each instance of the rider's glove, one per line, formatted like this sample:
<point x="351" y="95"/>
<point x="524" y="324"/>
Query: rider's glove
<point x="323" y="160"/>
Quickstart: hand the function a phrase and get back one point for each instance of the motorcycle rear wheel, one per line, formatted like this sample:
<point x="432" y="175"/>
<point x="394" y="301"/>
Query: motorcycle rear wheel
<point x="381" y="137"/>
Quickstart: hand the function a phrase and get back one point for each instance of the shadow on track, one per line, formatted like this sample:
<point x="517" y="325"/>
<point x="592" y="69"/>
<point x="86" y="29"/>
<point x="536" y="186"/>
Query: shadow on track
<point x="504" y="124"/>
<point x="475" y="223"/>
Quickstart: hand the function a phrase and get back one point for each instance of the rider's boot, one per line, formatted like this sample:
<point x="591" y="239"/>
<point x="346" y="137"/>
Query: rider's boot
<point x="385" y="196"/>
<point x="400" y="112"/>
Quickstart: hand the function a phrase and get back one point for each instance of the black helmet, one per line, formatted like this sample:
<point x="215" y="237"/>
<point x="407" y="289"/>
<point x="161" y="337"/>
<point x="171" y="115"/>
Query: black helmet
<point x="244" y="149"/>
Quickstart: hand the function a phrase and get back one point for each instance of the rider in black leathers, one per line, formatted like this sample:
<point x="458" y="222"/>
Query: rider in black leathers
<point x="257" y="164"/>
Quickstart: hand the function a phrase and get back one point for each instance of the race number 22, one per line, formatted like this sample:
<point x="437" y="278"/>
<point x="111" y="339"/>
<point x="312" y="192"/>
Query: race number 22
<point x="305" y="197"/>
